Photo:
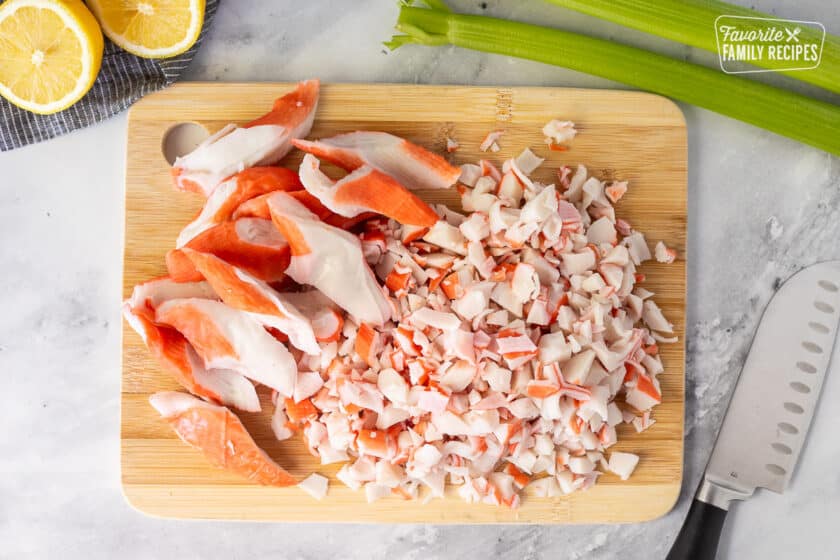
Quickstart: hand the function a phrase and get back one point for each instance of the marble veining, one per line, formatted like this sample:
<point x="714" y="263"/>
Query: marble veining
<point x="760" y="208"/>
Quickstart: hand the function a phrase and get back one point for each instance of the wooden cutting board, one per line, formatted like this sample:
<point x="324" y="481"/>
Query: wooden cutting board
<point x="623" y="135"/>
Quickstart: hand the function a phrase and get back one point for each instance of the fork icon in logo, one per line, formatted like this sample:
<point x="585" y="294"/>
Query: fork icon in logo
<point x="793" y="35"/>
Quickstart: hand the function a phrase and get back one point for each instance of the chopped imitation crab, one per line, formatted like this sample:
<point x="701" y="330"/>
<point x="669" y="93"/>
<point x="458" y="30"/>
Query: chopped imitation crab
<point x="323" y="314"/>
<point x="227" y="338"/>
<point x="623" y="464"/>
<point x="220" y="436"/>
<point x="654" y="318"/>
<point x="559" y="132"/>
<point x="616" y="190"/>
<point x="490" y="142"/>
<point x="315" y="485"/>
<point x="261" y="142"/>
<point x="412" y="166"/>
<point x="367" y="344"/>
<point x="329" y="259"/>
<point x="492" y="350"/>
<point x="664" y="254"/>
<point x="224" y="200"/>
<point x="366" y="190"/>
<point x="252" y="244"/>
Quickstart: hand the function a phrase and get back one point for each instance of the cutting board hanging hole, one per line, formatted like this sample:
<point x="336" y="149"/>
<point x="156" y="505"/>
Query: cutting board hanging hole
<point x="181" y="139"/>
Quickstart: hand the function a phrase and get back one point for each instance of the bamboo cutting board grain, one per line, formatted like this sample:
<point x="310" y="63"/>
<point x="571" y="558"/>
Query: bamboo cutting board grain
<point x="625" y="135"/>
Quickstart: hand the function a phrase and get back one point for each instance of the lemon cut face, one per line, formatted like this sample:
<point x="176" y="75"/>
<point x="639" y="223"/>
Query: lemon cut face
<point x="151" y="28"/>
<point x="50" y="53"/>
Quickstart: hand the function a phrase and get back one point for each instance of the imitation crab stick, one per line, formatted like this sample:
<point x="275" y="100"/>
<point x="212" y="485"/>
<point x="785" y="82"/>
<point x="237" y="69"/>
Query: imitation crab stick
<point x="413" y="166"/>
<point x="258" y="208"/>
<point x="242" y="291"/>
<point x="174" y="353"/>
<point x="324" y="315"/>
<point x="252" y="244"/>
<point x="365" y="190"/>
<point x="232" y="193"/>
<point x="176" y="356"/>
<point x="220" y="436"/>
<point x="150" y="294"/>
<point x="227" y="338"/>
<point x="261" y="142"/>
<point x="329" y="259"/>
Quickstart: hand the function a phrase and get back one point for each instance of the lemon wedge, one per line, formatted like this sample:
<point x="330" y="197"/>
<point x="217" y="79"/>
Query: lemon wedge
<point x="50" y="53"/>
<point x="151" y="28"/>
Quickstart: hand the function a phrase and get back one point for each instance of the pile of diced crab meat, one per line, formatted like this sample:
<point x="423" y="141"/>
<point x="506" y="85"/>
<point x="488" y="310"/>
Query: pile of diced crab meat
<point x="418" y="346"/>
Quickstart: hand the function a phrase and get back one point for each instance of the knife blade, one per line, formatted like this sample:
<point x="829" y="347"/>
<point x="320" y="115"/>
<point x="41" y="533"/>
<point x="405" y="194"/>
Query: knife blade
<point x="772" y="406"/>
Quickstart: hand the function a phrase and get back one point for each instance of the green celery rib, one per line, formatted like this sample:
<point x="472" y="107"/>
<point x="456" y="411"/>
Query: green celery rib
<point x="804" y="119"/>
<point x="692" y="22"/>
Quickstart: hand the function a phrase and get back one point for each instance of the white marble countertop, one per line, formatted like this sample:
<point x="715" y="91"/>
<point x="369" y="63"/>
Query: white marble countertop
<point x="760" y="208"/>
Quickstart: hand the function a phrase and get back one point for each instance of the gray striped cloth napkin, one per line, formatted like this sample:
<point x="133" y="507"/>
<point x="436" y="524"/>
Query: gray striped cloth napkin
<point x="123" y="79"/>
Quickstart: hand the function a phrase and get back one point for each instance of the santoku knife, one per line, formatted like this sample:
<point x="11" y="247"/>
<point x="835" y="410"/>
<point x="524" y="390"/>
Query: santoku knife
<point x="772" y="405"/>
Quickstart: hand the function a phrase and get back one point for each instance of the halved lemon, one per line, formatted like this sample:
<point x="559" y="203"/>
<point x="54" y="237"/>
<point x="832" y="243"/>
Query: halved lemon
<point x="151" y="28"/>
<point x="50" y="53"/>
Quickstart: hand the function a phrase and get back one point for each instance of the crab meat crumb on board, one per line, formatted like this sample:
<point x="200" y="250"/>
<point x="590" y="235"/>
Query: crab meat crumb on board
<point x="416" y="346"/>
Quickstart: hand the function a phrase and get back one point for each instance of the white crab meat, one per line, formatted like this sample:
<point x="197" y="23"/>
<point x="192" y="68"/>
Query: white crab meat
<point x="664" y="254"/>
<point x="653" y="317"/>
<point x="470" y="173"/>
<point x="577" y="263"/>
<point x="616" y="190"/>
<point x="476" y="227"/>
<point x="554" y="348"/>
<point x="602" y="231"/>
<point x="491" y="140"/>
<point x="576" y="369"/>
<point x="623" y="464"/>
<point x="528" y="161"/>
<point x="393" y="386"/>
<point x="637" y="247"/>
<point x="458" y="376"/>
<point x="559" y="132"/>
<point x="510" y="189"/>
<point x="425" y="317"/>
<point x="280" y="424"/>
<point x="315" y="485"/>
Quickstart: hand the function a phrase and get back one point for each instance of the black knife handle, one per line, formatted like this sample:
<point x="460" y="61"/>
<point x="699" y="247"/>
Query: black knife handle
<point x="699" y="536"/>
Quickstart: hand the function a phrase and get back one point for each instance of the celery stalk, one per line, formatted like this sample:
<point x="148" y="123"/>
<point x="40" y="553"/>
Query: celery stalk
<point x="804" y="119"/>
<point x="692" y="22"/>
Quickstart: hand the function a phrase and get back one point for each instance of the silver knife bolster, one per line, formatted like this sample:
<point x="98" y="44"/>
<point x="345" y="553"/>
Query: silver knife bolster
<point x="720" y="495"/>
